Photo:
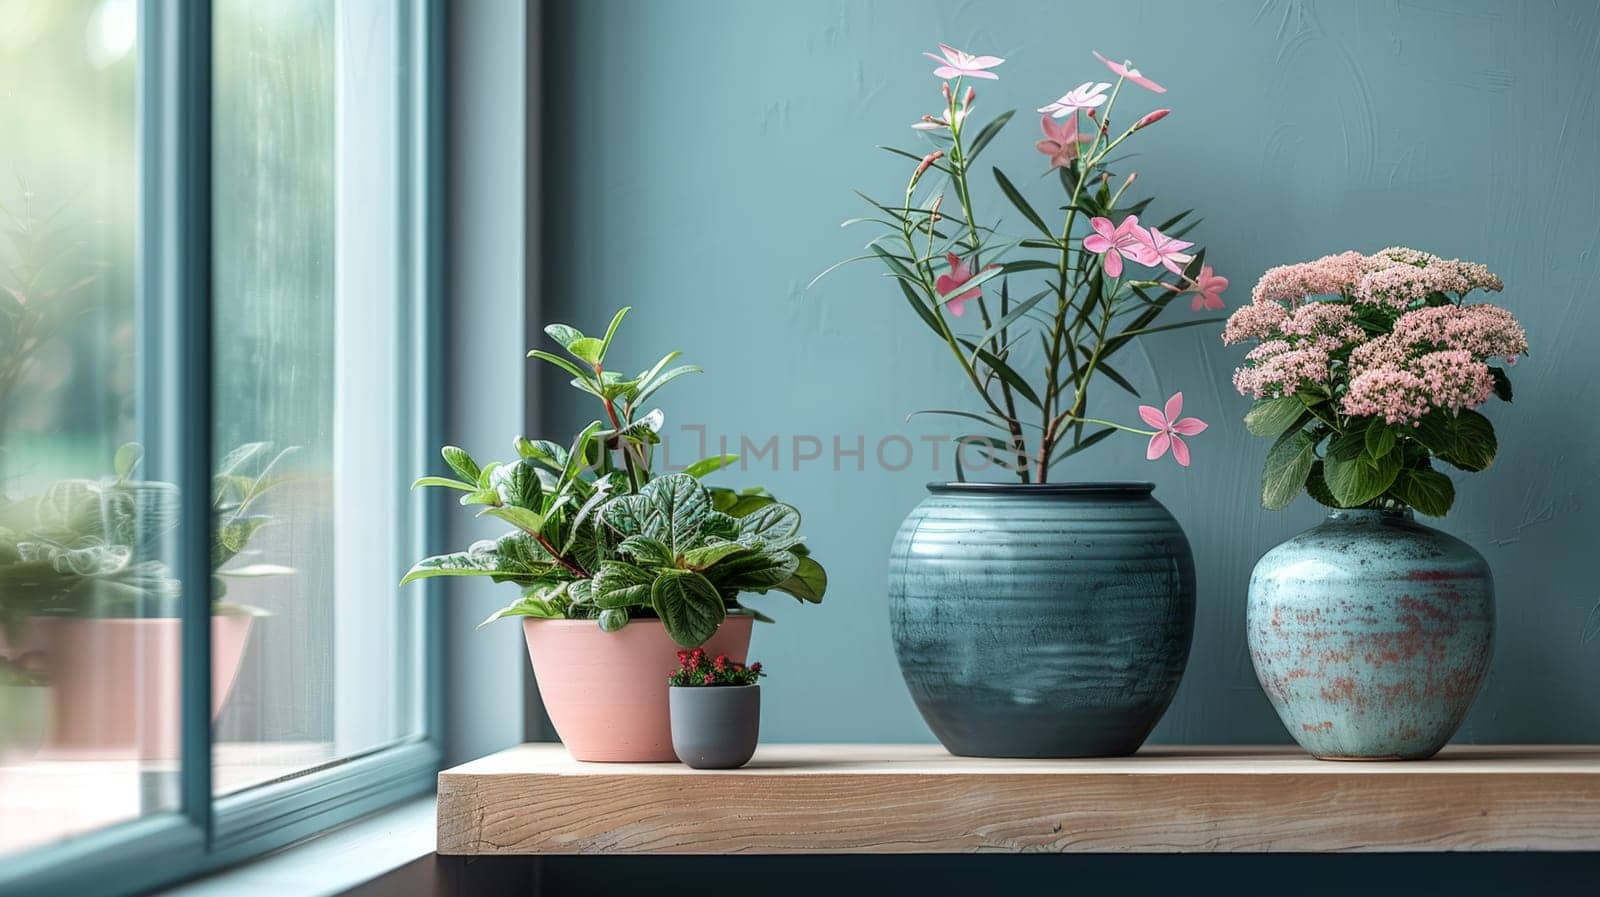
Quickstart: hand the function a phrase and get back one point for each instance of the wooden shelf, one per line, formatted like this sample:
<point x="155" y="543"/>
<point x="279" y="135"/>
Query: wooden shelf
<point x="829" y="799"/>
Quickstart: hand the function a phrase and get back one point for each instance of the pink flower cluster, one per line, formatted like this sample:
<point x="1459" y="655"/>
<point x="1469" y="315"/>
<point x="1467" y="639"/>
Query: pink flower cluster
<point x="1432" y="356"/>
<point x="1396" y="278"/>
<point x="1451" y="380"/>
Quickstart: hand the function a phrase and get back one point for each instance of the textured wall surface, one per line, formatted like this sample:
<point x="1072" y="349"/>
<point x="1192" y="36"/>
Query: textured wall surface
<point x="699" y="156"/>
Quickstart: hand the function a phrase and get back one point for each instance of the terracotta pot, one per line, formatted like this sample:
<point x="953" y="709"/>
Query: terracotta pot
<point x="117" y="685"/>
<point x="606" y="692"/>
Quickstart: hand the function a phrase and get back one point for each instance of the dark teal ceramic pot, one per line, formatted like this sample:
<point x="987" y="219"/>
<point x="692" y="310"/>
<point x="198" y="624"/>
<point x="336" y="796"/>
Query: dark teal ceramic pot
<point x="1041" y="621"/>
<point x="1371" y="634"/>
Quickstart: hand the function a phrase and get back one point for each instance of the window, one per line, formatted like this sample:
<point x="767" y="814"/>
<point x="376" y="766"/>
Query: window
<point x="217" y="263"/>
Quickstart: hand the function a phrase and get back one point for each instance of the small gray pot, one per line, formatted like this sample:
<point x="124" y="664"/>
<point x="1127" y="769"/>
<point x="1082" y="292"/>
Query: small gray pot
<point x="715" y="726"/>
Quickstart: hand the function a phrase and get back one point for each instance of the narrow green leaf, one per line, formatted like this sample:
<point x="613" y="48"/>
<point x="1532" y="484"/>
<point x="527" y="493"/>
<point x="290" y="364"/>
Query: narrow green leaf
<point x="1011" y="317"/>
<point x="445" y="482"/>
<point x="562" y="363"/>
<point x="611" y="330"/>
<point x="709" y="465"/>
<point x="1015" y="196"/>
<point x="529" y="521"/>
<point x="1084" y="443"/>
<point x="988" y="133"/>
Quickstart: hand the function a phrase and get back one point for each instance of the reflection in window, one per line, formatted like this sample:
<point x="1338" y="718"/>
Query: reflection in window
<point x="310" y="660"/>
<point x="88" y="669"/>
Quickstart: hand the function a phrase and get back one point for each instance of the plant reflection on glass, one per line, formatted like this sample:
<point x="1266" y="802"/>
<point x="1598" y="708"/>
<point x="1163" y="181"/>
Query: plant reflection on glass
<point x="944" y="259"/>
<point x="87" y="547"/>
<point x="42" y="293"/>
<point x="597" y="540"/>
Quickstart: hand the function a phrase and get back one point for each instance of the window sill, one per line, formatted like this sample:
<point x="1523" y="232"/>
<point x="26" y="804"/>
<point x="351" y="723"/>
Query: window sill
<point x="899" y="799"/>
<point x="333" y="863"/>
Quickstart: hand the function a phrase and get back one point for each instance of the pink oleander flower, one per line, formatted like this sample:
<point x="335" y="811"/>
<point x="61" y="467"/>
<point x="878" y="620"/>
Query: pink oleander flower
<point x="1114" y="243"/>
<point x="1164" y="250"/>
<point x="1207" y="289"/>
<point x="943" y="122"/>
<point x="958" y="64"/>
<point x="1169" y="427"/>
<point x="1087" y="95"/>
<point x="1060" y="142"/>
<point x="960" y="273"/>
<point x="1151" y="118"/>
<point x="1125" y="69"/>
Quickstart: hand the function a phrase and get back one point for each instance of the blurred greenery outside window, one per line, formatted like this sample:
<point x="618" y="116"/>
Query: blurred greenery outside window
<point x="317" y="656"/>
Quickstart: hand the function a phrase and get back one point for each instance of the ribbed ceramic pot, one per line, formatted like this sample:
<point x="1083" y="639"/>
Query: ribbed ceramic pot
<point x="1371" y="634"/>
<point x="1041" y="621"/>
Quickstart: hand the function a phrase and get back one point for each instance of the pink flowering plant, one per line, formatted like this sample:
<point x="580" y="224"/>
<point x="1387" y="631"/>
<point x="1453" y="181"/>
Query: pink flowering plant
<point x="1106" y="274"/>
<point x="1366" y="370"/>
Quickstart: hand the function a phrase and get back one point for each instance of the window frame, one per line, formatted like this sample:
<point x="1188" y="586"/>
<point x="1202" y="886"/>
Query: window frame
<point x="206" y="831"/>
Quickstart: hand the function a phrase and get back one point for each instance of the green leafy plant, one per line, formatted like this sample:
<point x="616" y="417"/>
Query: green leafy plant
<point x="696" y="670"/>
<point x="598" y="538"/>
<point x="88" y="547"/>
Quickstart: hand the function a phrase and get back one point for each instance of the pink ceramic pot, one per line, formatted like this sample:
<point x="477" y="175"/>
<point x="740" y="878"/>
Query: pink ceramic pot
<point x="606" y="692"/>
<point x="117" y="686"/>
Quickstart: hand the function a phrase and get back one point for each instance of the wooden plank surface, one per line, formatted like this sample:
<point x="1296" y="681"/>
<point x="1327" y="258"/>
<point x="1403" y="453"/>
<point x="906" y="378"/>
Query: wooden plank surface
<point x="534" y="799"/>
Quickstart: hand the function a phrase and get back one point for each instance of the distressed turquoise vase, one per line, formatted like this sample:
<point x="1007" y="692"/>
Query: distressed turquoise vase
<point x="1041" y="621"/>
<point x="1371" y="634"/>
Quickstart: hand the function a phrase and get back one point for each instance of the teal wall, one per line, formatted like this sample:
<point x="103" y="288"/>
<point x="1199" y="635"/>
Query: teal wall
<point x="698" y="157"/>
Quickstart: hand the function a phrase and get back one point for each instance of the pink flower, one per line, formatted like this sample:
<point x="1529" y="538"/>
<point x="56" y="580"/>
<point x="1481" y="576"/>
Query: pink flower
<point x="1164" y="250"/>
<point x="1151" y="118"/>
<point x="1060" y="142"/>
<point x="1169" y="428"/>
<point x="1126" y="240"/>
<point x="1208" y="289"/>
<point x="1125" y="69"/>
<point x="1087" y="95"/>
<point x="960" y="273"/>
<point x="956" y="64"/>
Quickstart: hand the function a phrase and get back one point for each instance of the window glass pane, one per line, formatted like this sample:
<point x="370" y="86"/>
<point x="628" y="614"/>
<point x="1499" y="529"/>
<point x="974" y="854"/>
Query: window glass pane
<point x="309" y="315"/>
<point x="88" y="640"/>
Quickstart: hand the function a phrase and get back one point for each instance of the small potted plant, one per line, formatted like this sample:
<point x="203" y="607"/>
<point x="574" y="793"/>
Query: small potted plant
<point x="618" y="566"/>
<point x="83" y="594"/>
<point x="1042" y="618"/>
<point x="1371" y="633"/>
<point x="716" y="710"/>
